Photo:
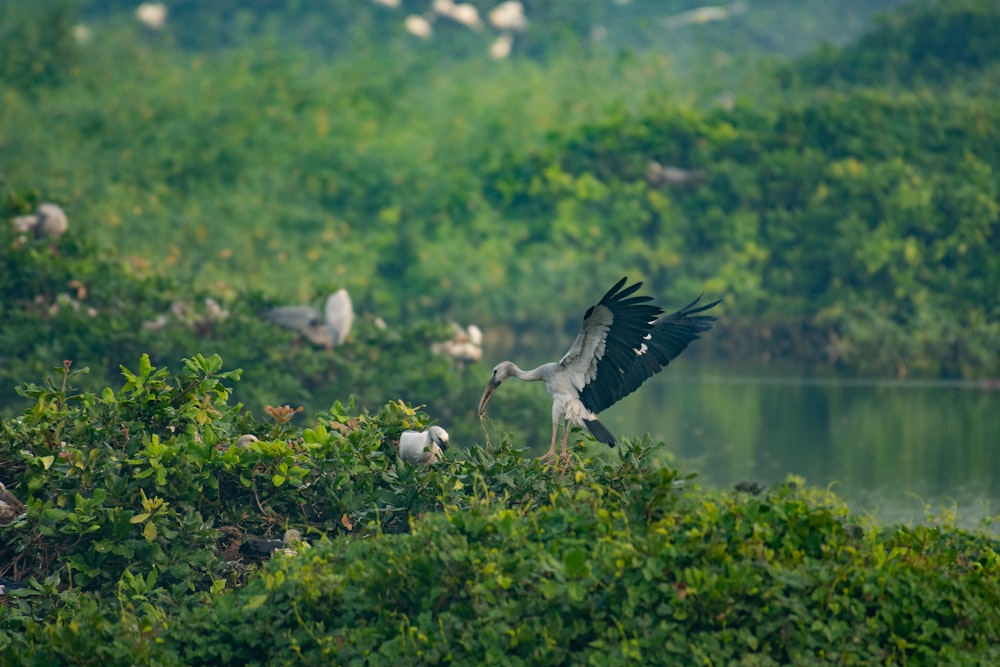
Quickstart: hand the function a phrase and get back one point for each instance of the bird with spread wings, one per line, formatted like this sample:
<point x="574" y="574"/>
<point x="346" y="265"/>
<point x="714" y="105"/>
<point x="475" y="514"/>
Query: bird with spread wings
<point x="623" y="342"/>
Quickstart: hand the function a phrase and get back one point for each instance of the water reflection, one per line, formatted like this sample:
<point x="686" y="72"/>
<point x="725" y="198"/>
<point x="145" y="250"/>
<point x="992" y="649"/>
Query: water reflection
<point x="890" y="448"/>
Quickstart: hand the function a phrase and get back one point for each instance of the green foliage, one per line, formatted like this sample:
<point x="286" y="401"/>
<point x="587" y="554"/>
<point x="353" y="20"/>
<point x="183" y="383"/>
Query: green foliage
<point x="70" y="301"/>
<point x="36" y="43"/>
<point x="934" y="43"/>
<point x="596" y="578"/>
<point x="138" y="499"/>
<point x="856" y="228"/>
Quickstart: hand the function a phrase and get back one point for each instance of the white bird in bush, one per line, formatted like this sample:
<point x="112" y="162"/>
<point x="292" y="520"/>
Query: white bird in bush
<point x="508" y="16"/>
<point x="49" y="221"/>
<point x="418" y="26"/>
<point x="152" y="14"/>
<point x="328" y="329"/>
<point x="622" y="343"/>
<point x="10" y="506"/>
<point x="339" y="315"/>
<point x="423" y="447"/>
<point x="465" y="345"/>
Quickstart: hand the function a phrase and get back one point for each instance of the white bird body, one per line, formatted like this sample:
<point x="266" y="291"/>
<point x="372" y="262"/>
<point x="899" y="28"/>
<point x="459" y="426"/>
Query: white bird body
<point x="339" y="315"/>
<point x="508" y="16"/>
<point x="423" y="447"/>
<point x="622" y="343"/>
<point x="327" y="329"/>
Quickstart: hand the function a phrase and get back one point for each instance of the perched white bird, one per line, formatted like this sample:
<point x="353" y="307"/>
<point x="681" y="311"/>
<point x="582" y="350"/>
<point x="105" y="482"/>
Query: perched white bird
<point x="304" y="320"/>
<point x="423" y="447"/>
<point x="418" y="26"/>
<point x="508" y="16"/>
<point x="706" y="14"/>
<point x="442" y="7"/>
<point x="623" y="342"/>
<point x="243" y="442"/>
<point x="329" y="329"/>
<point x="467" y="15"/>
<point x="152" y="14"/>
<point x="475" y="334"/>
<point x="466" y="345"/>
<point x="658" y="174"/>
<point x="501" y="46"/>
<point x="339" y="315"/>
<point x="49" y="221"/>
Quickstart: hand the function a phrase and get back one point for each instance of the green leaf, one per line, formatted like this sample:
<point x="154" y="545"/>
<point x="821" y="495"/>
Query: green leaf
<point x="576" y="563"/>
<point x="255" y="602"/>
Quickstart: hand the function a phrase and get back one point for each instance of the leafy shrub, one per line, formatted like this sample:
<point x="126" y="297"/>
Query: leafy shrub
<point x="923" y="43"/>
<point x="137" y="502"/>
<point x="598" y="578"/>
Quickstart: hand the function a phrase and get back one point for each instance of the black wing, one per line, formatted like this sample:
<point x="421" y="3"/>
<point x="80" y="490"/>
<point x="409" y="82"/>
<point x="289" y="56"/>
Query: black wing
<point x="629" y="360"/>
<point x="606" y="346"/>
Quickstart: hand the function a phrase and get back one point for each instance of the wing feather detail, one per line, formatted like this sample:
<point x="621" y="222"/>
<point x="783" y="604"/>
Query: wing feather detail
<point x="605" y="346"/>
<point x="622" y="344"/>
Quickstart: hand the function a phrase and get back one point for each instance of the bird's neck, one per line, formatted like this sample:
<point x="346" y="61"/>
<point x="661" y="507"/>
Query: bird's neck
<point x="539" y="373"/>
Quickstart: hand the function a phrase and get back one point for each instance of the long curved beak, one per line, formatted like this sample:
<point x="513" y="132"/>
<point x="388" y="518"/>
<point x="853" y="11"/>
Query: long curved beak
<point x="487" y="395"/>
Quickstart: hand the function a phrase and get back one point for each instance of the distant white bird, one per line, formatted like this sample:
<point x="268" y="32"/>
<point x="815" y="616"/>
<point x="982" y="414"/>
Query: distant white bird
<point x="339" y="315"/>
<point x="508" y="16"/>
<point x="475" y="334"/>
<point x="501" y="47"/>
<point x="152" y="14"/>
<point x="467" y="15"/>
<point x="329" y="329"/>
<point x="418" y="26"/>
<point x="442" y="7"/>
<point x="622" y="343"/>
<point x="82" y="33"/>
<point x="423" y="447"/>
<point x="304" y="320"/>
<point x="658" y="174"/>
<point x="52" y="221"/>
<point x="465" y="345"/>
<point x="706" y="14"/>
<point x="49" y="221"/>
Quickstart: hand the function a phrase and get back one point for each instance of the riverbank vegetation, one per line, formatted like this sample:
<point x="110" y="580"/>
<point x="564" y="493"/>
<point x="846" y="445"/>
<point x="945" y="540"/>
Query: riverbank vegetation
<point x="142" y="502"/>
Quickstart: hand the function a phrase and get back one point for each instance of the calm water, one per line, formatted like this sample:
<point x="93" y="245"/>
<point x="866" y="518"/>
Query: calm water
<point x="888" y="448"/>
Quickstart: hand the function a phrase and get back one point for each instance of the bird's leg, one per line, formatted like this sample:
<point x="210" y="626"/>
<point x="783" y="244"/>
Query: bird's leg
<point x="564" y="455"/>
<point x="552" y="448"/>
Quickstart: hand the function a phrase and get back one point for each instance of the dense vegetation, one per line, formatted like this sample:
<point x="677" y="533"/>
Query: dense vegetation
<point x="246" y="156"/>
<point x="139" y="501"/>
<point x="845" y="225"/>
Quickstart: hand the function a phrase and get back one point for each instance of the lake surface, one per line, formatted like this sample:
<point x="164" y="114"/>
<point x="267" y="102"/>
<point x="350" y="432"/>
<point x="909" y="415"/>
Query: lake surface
<point x="900" y="450"/>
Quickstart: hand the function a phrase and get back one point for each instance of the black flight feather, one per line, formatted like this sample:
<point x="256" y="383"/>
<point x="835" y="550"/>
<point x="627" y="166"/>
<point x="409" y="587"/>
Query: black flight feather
<point x="625" y="364"/>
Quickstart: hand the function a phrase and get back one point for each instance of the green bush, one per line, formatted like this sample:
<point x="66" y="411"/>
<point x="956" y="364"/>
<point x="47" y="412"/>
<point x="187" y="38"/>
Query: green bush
<point x="924" y="43"/>
<point x="659" y="576"/>
<point x="137" y="502"/>
<point x="854" y="228"/>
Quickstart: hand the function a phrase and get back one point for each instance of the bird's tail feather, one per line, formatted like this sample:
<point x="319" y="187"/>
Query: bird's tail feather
<point x="600" y="432"/>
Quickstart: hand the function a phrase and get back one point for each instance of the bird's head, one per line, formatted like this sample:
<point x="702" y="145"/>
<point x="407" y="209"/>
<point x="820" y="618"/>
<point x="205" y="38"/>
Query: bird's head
<point x="439" y="436"/>
<point x="501" y="372"/>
